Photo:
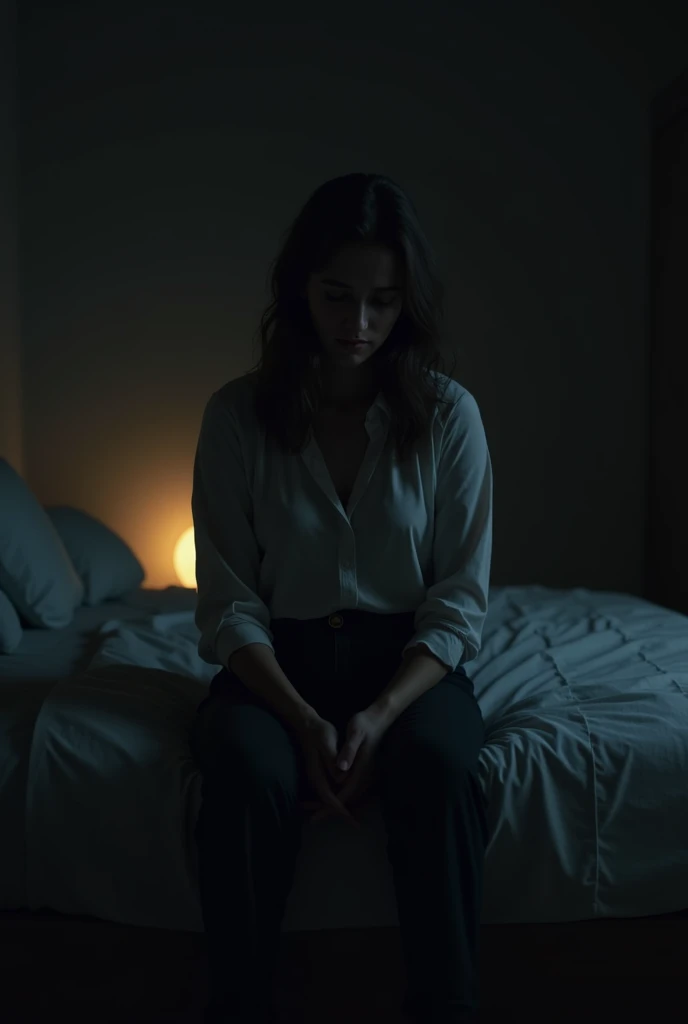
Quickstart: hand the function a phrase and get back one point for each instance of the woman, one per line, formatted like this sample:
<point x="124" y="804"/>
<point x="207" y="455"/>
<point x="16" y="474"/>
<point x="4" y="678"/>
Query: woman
<point x="342" y="505"/>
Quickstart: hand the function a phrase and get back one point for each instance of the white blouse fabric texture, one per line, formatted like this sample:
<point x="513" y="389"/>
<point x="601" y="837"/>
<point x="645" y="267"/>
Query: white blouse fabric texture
<point x="274" y="541"/>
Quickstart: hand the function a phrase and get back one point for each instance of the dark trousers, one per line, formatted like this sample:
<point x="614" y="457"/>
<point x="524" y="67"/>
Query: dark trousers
<point x="254" y="781"/>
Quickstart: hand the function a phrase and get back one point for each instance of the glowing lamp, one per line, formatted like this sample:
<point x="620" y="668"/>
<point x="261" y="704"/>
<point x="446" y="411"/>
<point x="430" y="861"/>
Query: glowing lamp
<point x="184" y="558"/>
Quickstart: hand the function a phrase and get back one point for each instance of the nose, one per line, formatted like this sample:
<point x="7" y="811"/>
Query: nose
<point x="360" y="323"/>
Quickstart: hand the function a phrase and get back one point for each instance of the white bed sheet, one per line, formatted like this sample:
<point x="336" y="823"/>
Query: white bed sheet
<point x="585" y="700"/>
<point x="44" y="658"/>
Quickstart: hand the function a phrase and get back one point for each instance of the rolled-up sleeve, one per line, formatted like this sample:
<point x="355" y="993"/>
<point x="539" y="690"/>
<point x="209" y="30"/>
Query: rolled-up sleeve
<point x="229" y="612"/>
<point x="450" y="620"/>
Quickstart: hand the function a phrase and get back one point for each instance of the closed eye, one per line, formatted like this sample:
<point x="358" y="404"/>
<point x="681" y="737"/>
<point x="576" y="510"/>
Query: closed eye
<point x="340" y="298"/>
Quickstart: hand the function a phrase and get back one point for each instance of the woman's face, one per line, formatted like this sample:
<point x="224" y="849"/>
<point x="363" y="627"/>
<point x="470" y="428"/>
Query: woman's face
<point x="358" y="295"/>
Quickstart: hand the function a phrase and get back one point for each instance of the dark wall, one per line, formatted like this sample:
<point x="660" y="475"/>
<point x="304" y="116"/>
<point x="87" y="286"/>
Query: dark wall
<point x="164" y="152"/>
<point x="10" y="370"/>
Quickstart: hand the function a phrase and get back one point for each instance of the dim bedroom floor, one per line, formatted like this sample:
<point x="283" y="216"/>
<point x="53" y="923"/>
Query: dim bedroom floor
<point x="79" y="971"/>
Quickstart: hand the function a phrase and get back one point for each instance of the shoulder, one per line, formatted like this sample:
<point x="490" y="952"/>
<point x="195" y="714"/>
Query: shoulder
<point x="456" y="403"/>
<point x="235" y="399"/>
<point x="461" y="438"/>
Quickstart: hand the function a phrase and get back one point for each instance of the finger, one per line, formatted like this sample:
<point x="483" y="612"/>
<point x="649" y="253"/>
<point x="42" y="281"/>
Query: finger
<point x="348" y="795"/>
<point x="311" y="805"/>
<point x="332" y="769"/>
<point x="334" y="804"/>
<point x="353" y="780"/>
<point x="328" y="812"/>
<point x="356" y="789"/>
<point x="346" y="757"/>
<point x="327" y="796"/>
<point x="338" y="806"/>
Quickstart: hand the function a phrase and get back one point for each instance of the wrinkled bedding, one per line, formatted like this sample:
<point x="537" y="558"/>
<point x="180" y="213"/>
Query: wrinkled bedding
<point x="585" y="701"/>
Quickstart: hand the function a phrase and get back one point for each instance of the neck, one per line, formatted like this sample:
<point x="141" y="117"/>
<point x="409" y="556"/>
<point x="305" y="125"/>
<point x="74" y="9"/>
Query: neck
<point x="348" y="393"/>
<point x="341" y="406"/>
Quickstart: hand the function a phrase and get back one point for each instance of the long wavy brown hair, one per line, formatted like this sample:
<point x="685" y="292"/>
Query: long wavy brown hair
<point x="353" y="209"/>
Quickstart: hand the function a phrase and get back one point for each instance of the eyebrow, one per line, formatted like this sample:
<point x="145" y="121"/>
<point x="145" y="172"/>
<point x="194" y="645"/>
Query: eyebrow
<point x="341" y="284"/>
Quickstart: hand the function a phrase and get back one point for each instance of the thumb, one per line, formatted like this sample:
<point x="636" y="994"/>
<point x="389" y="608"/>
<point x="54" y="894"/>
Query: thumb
<point x="329" y="750"/>
<point x="349" y="750"/>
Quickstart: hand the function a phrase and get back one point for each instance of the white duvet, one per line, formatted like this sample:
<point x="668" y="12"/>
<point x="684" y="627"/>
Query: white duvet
<point x="585" y="767"/>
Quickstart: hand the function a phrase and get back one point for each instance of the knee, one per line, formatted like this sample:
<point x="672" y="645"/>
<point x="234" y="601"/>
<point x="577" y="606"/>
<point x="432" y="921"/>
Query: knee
<point x="425" y="767"/>
<point x="244" y="747"/>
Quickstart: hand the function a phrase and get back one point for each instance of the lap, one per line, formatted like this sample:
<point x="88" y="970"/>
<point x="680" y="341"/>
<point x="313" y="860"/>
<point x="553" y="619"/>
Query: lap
<point x="237" y="728"/>
<point x="444" y="725"/>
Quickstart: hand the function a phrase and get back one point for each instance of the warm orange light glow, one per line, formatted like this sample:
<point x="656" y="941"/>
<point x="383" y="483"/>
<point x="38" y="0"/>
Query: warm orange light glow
<point x="185" y="558"/>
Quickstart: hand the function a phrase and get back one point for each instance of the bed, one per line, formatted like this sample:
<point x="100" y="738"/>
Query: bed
<point x="585" y="700"/>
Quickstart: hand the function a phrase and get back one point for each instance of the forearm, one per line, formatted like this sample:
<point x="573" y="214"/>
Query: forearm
<point x="259" y="671"/>
<point x="419" y="672"/>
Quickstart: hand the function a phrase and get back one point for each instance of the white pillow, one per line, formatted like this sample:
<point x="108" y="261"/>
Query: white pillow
<point x="106" y="565"/>
<point x="11" y="631"/>
<point x="36" y="572"/>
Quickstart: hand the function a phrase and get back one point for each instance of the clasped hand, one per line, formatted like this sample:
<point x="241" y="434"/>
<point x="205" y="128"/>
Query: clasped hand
<point x="352" y="770"/>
